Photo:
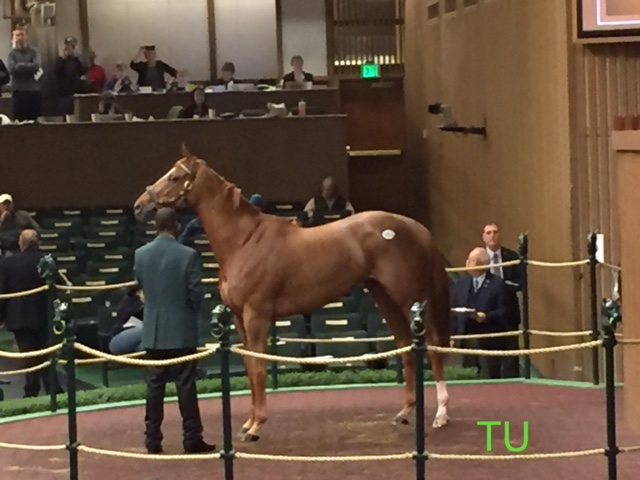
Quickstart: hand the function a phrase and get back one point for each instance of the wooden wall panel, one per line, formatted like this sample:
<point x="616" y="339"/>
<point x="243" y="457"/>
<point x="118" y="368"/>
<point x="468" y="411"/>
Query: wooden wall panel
<point x="506" y="62"/>
<point x="606" y="83"/>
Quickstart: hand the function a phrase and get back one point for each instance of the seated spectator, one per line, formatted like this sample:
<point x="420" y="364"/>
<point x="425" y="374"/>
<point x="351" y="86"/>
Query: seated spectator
<point x="298" y="74"/>
<point x="485" y="294"/>
<point x="198" y="106"/>
<point x="151" y="72"/>
<point x="226" y="79"/>
<point x="328" y="200"/>
<point x="108" y="105"/>
<point x="95" y="75"/>
<point x="126" y="335"/>
<point x="121" y="82"/>
<point x="194" y="228"/>
<point x="12" y="222"/>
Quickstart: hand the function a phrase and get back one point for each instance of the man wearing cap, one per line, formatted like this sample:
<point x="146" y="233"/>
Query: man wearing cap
<point x="24" y="67"/>
<point x="69" y="71"/>
<point x="12" y="222"/>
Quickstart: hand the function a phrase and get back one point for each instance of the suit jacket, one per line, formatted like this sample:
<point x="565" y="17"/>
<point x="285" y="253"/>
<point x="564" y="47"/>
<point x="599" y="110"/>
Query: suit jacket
<point x="490" y="299"/>
<point x="513" y="277"/>
<point x="170" y="276"/>
<point x="19" y="272"/>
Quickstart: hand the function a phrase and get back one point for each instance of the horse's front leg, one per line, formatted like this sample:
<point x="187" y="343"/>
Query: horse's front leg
<point x="257" y="327"/>
<point x="242" y="333"/>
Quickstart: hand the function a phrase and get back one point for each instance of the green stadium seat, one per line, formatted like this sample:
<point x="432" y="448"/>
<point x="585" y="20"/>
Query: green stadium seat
<point x="69" y="212"/>
<point x="113" y="211"/>
<point x="284" y="206"/>
<point x="294" y="325"/>
<point x="120" y="270"/>
<point x="54" y="234"/>
<point x="83" y="306"/>
<point x="55" y="246"/>
<point x="120" y="254"/>
<point x="344" y="349"/>
<point x="119" y="234"/>
<point x="72" y="225"/>
<point x="289" y="349"/>
<point x="323" y="324"/>
<point x="90" y="245"/>
<point x="109" y="221"/>
<point x="344" y="305"/>
<point x="210" y="269"/>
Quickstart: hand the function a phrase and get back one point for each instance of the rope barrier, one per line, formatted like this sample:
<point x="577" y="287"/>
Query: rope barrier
<point x="36" y="368"/>
<point x="147" y="456"/>
<point x="629" y="341"/>
<point x="483" y="267"/>
<point x="524" y="456"/>
<point x="144" y="363"/>
<point x="35" y="353"/>
<point x="25" y="293"/>
<point x="302" y="458"/>
<point x="90" y="288"/>
<point x="560" y="334"/>
<point x="575" y="263"/>
<point x="18" y="446"/>
<point x="610" y="266"/>
<point x="514" y="353"/>
<point x="320" y="360"/>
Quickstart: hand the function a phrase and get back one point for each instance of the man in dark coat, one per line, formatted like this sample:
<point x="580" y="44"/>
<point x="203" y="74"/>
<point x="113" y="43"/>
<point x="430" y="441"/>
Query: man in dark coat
<point x="170" y="276"/>
<point x="512" y="276"/>
<point x="484" y="294"/>
<point x="27" y="316"/>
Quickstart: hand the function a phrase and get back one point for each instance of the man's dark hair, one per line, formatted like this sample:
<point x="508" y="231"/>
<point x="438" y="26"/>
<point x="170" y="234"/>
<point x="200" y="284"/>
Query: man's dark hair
<point x="167" y="220"/>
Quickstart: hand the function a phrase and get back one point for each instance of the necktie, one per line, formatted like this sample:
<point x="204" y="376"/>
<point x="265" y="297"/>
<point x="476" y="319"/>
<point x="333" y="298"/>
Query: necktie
<point x="496" y="270"/>
<point x="476" y="284"/>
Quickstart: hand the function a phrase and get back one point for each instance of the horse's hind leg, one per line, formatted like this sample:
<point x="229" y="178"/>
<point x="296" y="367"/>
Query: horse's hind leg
<point x="398" y="322"/>
<point x="439" y="310"/>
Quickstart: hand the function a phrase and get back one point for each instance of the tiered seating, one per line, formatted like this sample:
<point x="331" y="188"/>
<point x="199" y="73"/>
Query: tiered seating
<point x="96" y="246"/>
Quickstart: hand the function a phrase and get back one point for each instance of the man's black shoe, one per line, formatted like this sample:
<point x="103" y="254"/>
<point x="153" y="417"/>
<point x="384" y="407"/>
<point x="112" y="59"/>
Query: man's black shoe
<point x="199" y="447"/>
<point x="154" y="449"/>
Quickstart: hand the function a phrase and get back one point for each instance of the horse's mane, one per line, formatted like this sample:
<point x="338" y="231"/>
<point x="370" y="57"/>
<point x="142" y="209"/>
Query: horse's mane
<point x="232" y="192"/>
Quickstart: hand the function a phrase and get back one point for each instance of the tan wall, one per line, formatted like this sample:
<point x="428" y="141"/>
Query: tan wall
<point x="507" y="62"/>
<point x="605" y="84"/>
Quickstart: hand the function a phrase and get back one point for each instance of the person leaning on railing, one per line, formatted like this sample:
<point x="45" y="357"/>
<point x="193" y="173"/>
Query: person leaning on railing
<point x="12" y="222"/>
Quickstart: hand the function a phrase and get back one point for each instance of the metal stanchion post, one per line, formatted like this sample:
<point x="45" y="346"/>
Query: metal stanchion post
<point x="419" y="350"/>
<point x="47" y="270"/>
<point x="611" y="311"/>
<point x="69" y="328"/>
<point x="593" y="292"/>
<point x="274" y="351"/>
<point x="220" y="322"/>
<point x="523" y="251"/>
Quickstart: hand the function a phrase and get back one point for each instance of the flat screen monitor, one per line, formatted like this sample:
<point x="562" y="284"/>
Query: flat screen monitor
<point x="608" y="19"/>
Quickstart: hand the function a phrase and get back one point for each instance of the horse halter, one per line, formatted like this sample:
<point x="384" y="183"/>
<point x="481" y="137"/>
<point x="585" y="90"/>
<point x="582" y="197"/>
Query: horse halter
<point x="178" y="199"/>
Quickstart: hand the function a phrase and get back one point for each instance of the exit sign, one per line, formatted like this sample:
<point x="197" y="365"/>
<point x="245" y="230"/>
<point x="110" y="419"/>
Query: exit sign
<point x="370" y="70"/>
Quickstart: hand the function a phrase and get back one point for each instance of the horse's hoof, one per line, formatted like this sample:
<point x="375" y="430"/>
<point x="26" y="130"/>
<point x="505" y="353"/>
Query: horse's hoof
<point x="250" y="437"/>
<point x="440" y="421"/>
<point x="400" y="421"/>
<point x="241" y="434"/>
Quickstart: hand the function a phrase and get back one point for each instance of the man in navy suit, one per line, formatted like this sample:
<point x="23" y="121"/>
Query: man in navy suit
<point x="484" y="294"/>
<point x="512" y="276"/>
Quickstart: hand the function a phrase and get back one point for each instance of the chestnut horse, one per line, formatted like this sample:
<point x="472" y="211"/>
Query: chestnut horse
<point x="271" y="268"/>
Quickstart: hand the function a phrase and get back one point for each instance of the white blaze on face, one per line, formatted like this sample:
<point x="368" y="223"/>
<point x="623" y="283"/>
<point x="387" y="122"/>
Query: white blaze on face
<point x="388" y="234"/>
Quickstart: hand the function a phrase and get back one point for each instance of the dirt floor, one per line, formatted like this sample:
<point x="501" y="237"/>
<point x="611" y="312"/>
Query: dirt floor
<point x="344" y="422"/>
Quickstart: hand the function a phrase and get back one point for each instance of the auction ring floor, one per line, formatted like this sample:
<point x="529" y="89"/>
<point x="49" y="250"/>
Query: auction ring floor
<point x="343" y="422"/>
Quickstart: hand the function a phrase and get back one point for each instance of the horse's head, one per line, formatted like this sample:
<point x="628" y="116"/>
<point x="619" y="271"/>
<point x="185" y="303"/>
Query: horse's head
<point x="173" y="189"/>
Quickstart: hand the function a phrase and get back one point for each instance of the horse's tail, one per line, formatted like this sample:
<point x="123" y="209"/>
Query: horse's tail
<point x="439" y="300"/>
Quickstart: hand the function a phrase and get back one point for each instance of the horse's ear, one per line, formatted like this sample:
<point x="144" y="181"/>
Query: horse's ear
<point x="185" y="151"/>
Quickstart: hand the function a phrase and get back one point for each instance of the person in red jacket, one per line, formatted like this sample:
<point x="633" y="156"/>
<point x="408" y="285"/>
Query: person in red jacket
<point x="95" y="75"/>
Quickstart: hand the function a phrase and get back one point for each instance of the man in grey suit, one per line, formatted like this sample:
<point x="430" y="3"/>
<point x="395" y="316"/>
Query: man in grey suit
<point x="170" y="276"/>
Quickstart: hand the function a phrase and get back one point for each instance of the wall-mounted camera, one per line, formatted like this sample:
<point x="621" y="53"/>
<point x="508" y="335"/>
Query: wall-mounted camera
<point x="449" y="124"/>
